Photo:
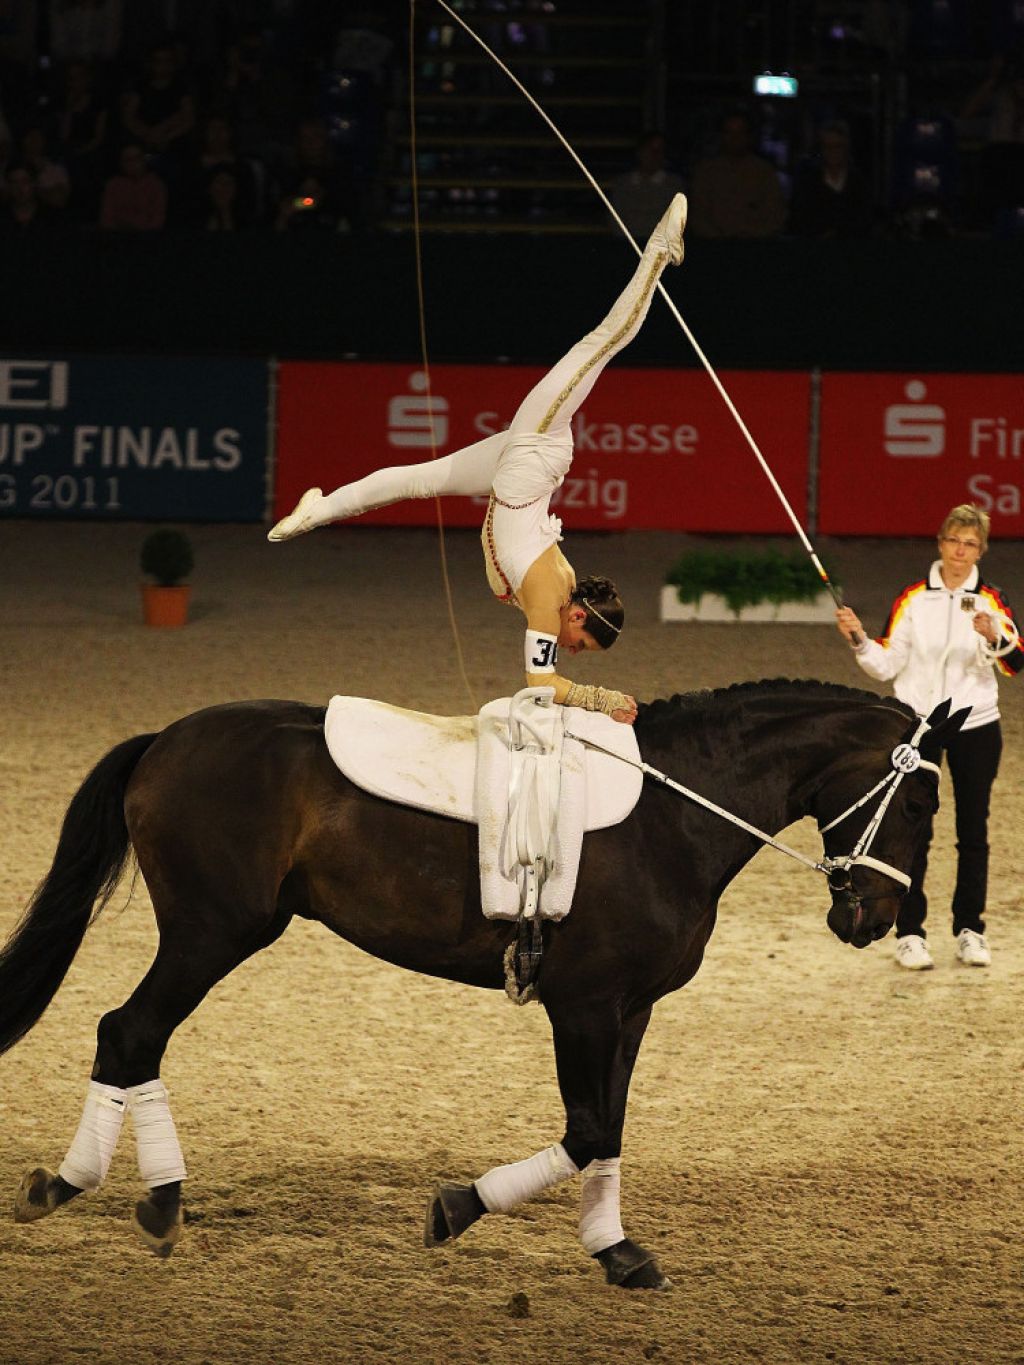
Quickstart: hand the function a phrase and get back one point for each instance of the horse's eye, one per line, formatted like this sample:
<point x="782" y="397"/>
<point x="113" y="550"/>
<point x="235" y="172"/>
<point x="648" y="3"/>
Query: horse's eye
<point x="916" y="808"/>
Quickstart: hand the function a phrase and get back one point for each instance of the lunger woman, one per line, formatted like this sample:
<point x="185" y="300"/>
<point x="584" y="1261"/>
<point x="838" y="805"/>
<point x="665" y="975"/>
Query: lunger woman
<point x="520" y="470"/>
<point x="940" y="641"/>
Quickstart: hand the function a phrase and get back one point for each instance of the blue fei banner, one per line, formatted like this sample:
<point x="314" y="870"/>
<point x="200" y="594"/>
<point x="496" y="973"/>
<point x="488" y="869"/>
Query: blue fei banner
<point x="133" y="438"/>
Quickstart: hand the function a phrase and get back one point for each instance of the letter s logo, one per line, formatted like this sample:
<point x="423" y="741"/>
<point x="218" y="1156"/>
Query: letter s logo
<point x="420" y="420"/>
<point x="917" y="431"/>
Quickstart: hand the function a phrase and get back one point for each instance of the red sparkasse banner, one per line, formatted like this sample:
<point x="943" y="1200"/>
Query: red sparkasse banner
<point x="654" y="449"/>
<point x="899" y="450"/>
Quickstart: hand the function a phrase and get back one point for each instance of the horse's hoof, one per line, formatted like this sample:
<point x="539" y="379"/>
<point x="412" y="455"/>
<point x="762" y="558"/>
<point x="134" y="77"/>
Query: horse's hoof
<point x="158" y="1227"/>
<point x="37" y="1196"/>
<point x="630" y="1267"/>
<point x="450" y="1211"/>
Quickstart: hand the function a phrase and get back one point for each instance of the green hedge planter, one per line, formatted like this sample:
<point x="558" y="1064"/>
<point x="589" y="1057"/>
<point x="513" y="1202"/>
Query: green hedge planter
<point x="715" y="585"/>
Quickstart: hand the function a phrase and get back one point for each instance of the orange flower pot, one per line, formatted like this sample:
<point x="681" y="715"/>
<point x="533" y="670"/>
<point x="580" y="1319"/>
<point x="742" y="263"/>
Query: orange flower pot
<point x="165" y="606"/>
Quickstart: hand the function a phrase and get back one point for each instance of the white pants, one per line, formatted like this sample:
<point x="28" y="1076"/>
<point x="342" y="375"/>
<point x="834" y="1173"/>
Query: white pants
<point x="515" y="468"/>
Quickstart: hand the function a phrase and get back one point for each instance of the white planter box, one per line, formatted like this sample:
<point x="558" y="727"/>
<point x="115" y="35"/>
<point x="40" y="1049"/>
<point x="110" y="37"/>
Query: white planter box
<point x="711" y="607"/>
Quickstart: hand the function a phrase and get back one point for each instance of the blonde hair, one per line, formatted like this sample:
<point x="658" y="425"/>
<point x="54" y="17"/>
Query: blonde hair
<point x="966" y="514"/>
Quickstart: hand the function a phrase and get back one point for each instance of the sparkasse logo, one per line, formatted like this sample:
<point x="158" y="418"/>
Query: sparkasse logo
<point x="915" y="430"/>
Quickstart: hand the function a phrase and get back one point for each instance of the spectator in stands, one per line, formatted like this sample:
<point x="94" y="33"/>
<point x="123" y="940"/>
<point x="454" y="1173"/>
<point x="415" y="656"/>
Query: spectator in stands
<point x="255" y="95"/>
<point x="83" y="116"/>
<point x="159" y="111"/>
<point x="310" y="203"/>
<point x="221" y="207"/>
<point x="85" y="30"/>
<point x="736" y="193"/>
<point x="312" y="171"/>
<point x="364" y="43"/>
<point x="23" y="213"/>
<point x="19" y="28"/>
<point x="217" y="152"/>
<point x="135" y="199"/>
<point x="1001" y="98"/>
<point x="831" y="197"/>
<point x="885" y="25"/>
<point x="641" y="195"/>
<point x="149" y="22"/>
<point x="52" y="182"/>
<point x="83" y="120"/>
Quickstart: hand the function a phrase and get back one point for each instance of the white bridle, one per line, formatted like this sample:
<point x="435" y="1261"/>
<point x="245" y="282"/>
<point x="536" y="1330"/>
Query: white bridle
<point x="905" y="759"/>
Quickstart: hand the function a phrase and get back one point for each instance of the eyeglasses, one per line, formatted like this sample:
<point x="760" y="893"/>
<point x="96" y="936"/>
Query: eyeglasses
<point x="956" y="540"/>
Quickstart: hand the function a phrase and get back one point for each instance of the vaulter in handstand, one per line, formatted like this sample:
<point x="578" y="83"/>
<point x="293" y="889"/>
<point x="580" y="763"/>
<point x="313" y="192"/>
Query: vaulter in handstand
<point x="520" y="469"/>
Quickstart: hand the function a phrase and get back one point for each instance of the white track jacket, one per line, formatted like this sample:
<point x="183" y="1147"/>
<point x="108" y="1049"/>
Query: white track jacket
<point x="930" y="649"/>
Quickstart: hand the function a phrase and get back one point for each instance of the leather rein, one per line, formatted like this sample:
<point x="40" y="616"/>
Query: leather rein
<point x="904" y="759"/>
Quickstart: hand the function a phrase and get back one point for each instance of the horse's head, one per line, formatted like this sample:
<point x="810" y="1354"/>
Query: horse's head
<point x="873" y="813"/>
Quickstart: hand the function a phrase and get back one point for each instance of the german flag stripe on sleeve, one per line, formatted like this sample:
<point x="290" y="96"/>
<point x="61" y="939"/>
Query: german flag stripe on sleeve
<point x="1012" y="663"/>
<point x="899" y="607"/>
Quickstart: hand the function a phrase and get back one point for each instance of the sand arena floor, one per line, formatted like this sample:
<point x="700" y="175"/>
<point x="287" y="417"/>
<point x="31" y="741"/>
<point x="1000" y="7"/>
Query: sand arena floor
<point x="825" y="1152"/>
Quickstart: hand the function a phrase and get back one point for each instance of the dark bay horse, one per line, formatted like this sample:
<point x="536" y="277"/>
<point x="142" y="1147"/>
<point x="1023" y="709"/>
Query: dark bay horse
<point x="240" y="820"/>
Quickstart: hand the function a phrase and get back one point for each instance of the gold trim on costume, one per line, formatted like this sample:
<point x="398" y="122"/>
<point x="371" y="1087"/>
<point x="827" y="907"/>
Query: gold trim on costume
<point x="491" y="557"/>
<point x="657" y="267"/>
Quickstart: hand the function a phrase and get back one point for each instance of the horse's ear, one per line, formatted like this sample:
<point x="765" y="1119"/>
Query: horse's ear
<point x="955" y="722"/>
<point x="932" y="742"/>
<point x="940" y="713"/>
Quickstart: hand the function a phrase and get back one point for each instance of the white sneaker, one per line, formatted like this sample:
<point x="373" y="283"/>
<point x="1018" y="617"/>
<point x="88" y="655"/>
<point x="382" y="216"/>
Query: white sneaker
<point x="972" y="949"/>
<point x="669" y="232"/>
<point x="300" y="519"/>
<point x="912" y="953"/>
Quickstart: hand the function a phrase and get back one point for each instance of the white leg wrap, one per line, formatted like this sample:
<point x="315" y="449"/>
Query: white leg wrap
<point x="600" y="1220"/>
<point x="506" y="1186"/>
<point x="89" y="1155"/>
<point x="160" y="1158"/>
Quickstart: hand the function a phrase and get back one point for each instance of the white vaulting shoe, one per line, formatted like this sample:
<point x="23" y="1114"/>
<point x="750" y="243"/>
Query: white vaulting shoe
<point x="300" y="519"/>
<point x="912" y="953"/>
<point x="972" y="949"/>
<point x="669" y="232"/>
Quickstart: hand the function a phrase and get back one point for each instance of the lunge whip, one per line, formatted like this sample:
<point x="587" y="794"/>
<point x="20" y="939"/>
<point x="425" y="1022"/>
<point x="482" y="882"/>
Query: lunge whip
<point x="425" y="355"/>
<point x="819" y="567"/>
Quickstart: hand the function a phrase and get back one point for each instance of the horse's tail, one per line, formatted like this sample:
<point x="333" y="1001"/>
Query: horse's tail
<point x="91" y="854"/>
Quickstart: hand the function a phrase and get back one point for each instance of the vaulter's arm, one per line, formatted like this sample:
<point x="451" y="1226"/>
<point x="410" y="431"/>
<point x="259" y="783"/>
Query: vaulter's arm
<point x="541" y="652"/>
<point x="543" y="595"/>
<point x="541" y="656"/>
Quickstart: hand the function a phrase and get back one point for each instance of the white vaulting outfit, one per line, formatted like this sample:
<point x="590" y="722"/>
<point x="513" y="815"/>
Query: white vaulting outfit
<point x="520" y="468"/>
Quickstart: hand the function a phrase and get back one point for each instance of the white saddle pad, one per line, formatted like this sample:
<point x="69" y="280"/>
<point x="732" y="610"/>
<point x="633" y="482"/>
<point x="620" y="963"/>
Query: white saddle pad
<point x="430" y="761"/>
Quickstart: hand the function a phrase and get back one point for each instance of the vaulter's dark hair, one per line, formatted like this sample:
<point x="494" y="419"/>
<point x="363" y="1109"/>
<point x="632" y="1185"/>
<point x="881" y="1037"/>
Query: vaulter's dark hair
<point x="600" y="598"/>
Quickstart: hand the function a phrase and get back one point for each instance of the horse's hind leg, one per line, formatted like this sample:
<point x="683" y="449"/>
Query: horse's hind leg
<point x="131" y="1044"/>
<point x="131" y="1041"/>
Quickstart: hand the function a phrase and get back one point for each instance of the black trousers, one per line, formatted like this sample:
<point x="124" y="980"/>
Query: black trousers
<point x="973" y="763"/>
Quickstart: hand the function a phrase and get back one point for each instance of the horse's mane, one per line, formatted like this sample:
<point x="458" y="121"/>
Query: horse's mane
<point x="809" y="690"/>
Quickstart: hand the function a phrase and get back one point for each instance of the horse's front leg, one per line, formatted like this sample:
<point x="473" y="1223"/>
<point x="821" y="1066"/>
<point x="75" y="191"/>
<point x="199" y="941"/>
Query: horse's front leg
<point x="595" y="1054"/>
<point x="454" y="1207"/>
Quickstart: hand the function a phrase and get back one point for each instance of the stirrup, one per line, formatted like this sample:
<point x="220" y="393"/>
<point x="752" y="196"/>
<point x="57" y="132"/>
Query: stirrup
<point x="522" y="962"/>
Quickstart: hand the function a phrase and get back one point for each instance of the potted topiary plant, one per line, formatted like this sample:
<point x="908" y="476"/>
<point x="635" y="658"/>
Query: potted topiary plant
<point x="166" y="557"/>
<point x="745" y="585"/>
